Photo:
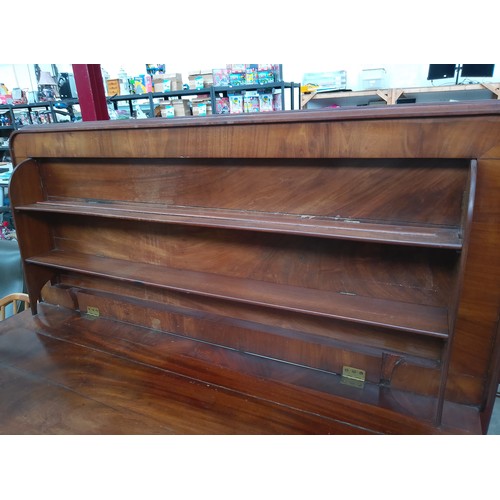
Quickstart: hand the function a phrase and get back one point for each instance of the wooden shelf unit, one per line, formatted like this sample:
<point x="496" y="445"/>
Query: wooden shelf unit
<point x="391" y="96"/>
<point x="327" y="254"/>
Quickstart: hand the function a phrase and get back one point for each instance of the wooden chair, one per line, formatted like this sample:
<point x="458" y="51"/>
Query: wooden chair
<point x="13" y="298"/>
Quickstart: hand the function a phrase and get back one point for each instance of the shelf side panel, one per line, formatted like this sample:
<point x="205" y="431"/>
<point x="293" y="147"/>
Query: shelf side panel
<point x="33" y="230"/>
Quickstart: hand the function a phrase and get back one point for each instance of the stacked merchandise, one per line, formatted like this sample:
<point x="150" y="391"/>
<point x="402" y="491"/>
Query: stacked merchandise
<point x="228" y="82"/>
<point x="250" y="101"/>
<point x="200" y="79"/>
<point x="167" y="82"/>
<point x="201" y="105"/>
<point x="247" y="101"/>
<point x="234" y="75"/>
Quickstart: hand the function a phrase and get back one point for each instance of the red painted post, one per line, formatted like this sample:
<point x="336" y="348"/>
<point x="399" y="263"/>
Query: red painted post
<point x="91" y="95"/>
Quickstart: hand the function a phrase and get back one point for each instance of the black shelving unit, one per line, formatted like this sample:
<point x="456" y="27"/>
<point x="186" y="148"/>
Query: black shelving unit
<point x="212" y="91"/>
<point x="50" y="107"/>
<point x="150" y="96"/>
<point x="7" y="126"/>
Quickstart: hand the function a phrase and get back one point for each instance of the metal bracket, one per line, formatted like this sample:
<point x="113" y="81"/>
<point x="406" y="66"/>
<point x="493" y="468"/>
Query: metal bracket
<point x="353" y="377"/>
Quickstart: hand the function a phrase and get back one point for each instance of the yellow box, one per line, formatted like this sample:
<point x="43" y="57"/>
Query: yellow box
<point x="113" y="87"/>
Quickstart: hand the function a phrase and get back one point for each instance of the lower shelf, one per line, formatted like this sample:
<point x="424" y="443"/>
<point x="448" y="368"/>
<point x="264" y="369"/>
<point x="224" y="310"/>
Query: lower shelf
<point x="415" y="318"/>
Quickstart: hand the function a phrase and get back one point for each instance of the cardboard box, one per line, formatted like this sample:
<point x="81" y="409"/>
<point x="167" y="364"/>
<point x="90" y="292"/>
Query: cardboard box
<point x="167" y="82"/>
<point x="113" y="87"/>
<point x="201" y="106"/>
<point x="200" y="79"/>
<point x="175" y="107"/>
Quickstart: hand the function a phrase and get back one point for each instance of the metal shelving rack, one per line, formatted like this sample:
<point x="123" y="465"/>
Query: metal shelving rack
<point x="50" y="107"/>
<point x="6" y="130"/>
<point x="211" y="91"/>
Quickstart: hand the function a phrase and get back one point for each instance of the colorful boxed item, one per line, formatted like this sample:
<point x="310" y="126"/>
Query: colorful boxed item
<point x="198" y="82"/>
<point x="251" y="76"/>
<point x="266" y="101"/>
<point x="236" y="68"/>
<point x="222" y="105"/>
<point x="235" y="103"/>
<point x="237" y="79"/>
<point x="152" y="69"/>
<point x="23" y="118"/>
<point x="266" y="76"/>
<point x="149" y="83"/>
<point x="220" y="77"/>
<point x="5" y="120"/>
<point x="277" y="104"/>
<point x="251" y="102"/>
<point x="138" y="84"/>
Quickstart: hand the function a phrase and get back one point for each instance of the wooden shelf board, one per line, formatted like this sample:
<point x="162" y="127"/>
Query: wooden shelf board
<point x="408" y="90"/>
<point x="415" y="318"/>
<point x="305" y="225"/>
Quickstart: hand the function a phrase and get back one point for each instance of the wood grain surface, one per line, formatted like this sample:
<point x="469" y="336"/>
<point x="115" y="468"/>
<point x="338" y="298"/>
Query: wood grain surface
<point x="61" y="375"/>
<point x="296" y="244"/>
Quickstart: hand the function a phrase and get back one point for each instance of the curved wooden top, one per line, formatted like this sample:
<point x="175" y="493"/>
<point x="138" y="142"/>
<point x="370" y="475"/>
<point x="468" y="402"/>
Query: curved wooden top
<point x="394" y="131"/>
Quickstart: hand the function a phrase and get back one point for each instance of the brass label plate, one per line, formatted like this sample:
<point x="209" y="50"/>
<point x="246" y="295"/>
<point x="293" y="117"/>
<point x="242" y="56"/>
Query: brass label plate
<point x="93" y="311"/>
